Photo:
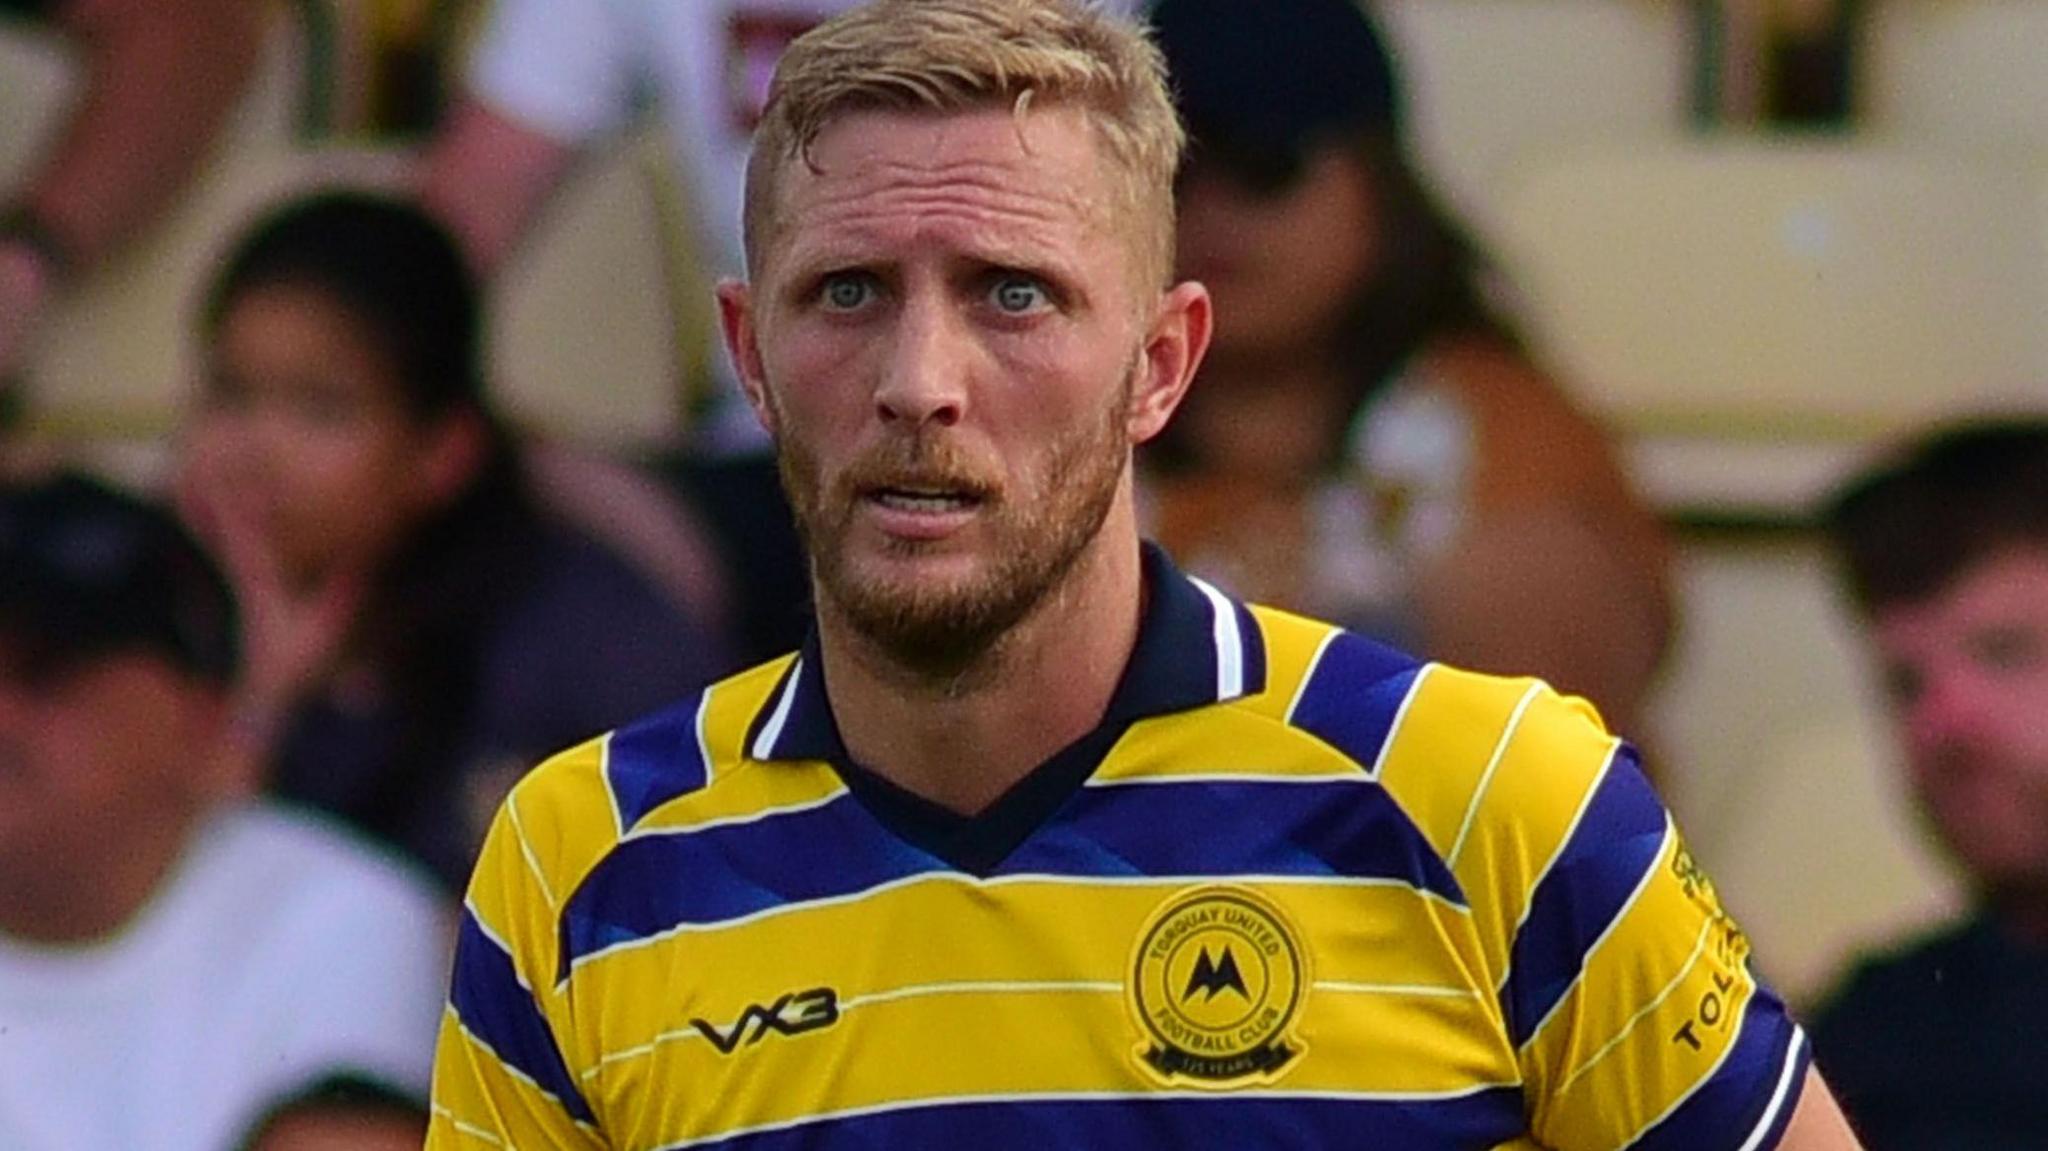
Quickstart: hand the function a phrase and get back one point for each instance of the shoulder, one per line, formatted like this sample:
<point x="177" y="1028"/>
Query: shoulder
<point x="1372" y="701"/>
<point x="577" y="806"/>
<point x="1431" y="734"/>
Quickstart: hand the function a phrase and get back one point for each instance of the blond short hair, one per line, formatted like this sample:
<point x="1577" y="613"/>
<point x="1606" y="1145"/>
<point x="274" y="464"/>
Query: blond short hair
<point x="956" y="55"/>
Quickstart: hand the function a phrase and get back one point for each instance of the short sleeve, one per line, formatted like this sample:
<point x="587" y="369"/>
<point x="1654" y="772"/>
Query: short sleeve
<point x="562" y="67"/>
<point x="1625" y="988"/>
<point x="1633" y="996"/>
<point x="1621" y="987"/>
<point x="502" y="1075"/>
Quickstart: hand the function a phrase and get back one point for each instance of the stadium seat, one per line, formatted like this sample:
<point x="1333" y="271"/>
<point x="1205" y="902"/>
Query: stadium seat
<point x="1493" y="84"/>
<point x="1773" y="291"/>
<point x="583" y="342"/>
<point x="1958" y="74"/>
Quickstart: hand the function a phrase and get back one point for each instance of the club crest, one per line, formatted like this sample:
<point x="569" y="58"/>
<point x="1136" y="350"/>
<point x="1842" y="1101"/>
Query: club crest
<point x="1217" y="983"/>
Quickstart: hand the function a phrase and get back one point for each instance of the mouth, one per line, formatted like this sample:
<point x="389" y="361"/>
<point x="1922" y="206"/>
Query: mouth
<point x="923" y="499"/>
<point x="920" y="508"/>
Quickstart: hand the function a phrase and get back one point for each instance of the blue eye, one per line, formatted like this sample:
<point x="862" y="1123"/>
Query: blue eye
<point x="846" y="292"/>
<point x="1018" y="295"/>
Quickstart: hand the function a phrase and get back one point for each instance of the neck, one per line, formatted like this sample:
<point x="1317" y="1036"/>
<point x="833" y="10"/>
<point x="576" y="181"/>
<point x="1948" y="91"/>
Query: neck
<point x="1265" y="419"/>
<point x="964" y="740"/>
<point x="90" y="889"/>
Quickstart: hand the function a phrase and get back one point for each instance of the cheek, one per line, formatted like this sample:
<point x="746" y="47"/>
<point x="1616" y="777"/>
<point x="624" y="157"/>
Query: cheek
<point x="347" y="461"/>
<point x="819" y="383"/>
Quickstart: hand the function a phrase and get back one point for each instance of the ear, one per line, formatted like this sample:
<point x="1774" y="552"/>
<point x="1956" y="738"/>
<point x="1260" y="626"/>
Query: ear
<point x="1175" y="342"/>
<point x="736" y="321"/>
<point x="452" y="454"/>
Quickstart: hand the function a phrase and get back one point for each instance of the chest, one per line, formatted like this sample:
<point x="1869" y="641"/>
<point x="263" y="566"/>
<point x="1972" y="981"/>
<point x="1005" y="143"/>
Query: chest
<point x="1036" y="1011"/>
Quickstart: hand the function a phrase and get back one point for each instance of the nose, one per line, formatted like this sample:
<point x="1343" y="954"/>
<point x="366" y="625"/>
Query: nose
<point x="925" y="378"/>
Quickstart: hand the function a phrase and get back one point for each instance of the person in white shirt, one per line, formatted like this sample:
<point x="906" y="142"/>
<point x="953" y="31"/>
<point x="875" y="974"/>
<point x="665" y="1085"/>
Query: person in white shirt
<point x="179" y="970"/>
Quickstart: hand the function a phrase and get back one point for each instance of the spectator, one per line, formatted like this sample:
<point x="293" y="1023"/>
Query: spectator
<point x="1368" y="441"/>
<point x="177" y="972"/>
<point x="420" y="628"/>
<point x="548" y="81"/>
<point x="161" y="76"/>
<point x="1936" y="1046"/>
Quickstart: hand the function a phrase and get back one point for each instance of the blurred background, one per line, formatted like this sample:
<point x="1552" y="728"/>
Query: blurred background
<point x="1759" y="238"/>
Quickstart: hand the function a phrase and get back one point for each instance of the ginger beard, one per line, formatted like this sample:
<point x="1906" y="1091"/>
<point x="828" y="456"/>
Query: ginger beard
<point x="1037" y="522"/>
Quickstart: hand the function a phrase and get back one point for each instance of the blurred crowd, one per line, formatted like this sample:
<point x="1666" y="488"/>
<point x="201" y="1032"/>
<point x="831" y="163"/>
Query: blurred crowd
<point x="258" y="703"/>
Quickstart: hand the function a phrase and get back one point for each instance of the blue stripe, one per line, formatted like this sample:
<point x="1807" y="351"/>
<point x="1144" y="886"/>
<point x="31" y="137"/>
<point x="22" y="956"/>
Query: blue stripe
<point x="658" y="882"/>
<point x="1353" y="695"/>
<point x="1615" y="844"/>
<point x="653" y="761"/>
<point x="1311" y="830"/>
<point x="1485" y="1119"/>
<point x="502" y="1015"/>
<point x="1725" y="1109"/>
<point x="1350" y="830"/>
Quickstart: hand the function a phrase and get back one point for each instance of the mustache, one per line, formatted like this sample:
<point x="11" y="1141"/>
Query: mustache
<point x="919" y="460"/>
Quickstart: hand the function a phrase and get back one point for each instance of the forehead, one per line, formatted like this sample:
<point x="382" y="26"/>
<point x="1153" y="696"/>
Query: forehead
<point x="1030" y="186"/>
<point x="2007" y="589"/>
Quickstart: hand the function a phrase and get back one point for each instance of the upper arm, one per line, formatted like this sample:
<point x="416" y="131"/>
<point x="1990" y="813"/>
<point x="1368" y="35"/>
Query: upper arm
<point x="1818" y="1124"/>
<point x="507" y="1068"/>
<point x="1629" y="994"/>
<point x="544" y="79"/>
<point x="485" y="177"/>
<point x="1620" y="988"/>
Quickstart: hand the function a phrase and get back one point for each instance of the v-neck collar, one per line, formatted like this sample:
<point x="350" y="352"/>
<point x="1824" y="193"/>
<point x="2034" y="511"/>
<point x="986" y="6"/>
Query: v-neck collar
<point x="1195" y="647"/>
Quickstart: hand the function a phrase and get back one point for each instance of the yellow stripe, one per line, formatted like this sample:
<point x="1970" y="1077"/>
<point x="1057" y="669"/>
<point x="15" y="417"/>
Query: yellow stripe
<point x="553" y="827"/>
<point x="1533" y="796"/>
<point x="1658" y="1006"/>
<point x="1435" y="757"/>
<point x="734" y="704"/>
<point x="478" y="1101"/>
<point x="1292" y="643"/>
<point x="1234" y="740"/>
<point x="1059" y="1040"/>
<point x="1005" y="931"/>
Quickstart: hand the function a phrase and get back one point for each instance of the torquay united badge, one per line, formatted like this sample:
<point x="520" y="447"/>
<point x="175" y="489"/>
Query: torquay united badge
<point x="1217" y="982"/>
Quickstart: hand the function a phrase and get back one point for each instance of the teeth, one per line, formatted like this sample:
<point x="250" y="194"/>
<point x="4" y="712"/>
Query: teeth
<point x="919" y="502"/>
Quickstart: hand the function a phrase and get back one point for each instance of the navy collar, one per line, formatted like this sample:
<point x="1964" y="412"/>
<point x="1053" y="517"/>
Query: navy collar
<point x="1196" y="646"/>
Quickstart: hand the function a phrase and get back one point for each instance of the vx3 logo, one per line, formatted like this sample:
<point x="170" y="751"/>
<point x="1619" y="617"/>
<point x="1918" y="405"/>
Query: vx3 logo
<point x="793" y="1014"/>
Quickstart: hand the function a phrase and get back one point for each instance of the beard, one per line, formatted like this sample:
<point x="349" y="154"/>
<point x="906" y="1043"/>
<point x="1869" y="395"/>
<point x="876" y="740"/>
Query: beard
<point x="1038" y="523"/>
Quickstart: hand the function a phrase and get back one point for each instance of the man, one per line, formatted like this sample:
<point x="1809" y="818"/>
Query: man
<point x="161" y="77"/>
<point x="176" y="973"/>
<point x="1038" y="843"/>
<point x="1945" y="552"/>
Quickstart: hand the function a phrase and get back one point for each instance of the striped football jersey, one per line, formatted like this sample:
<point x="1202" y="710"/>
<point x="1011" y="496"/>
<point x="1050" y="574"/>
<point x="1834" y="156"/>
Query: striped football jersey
<point x="1297" y="890"/>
